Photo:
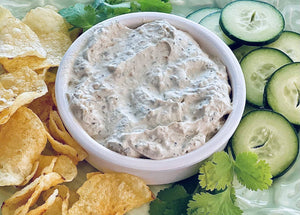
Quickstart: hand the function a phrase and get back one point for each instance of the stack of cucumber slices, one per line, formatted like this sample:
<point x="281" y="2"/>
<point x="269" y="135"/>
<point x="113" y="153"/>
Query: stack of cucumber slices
<point x="269" y="57"/>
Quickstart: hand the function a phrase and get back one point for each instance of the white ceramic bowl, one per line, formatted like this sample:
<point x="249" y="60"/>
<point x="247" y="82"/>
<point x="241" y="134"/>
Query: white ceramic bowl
<point x="154" y="171"/>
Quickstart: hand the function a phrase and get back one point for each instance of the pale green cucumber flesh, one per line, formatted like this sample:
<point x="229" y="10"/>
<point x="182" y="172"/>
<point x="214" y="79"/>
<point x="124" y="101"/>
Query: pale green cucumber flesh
<point x="257" y="66"/>
<point x="270" y="136"/>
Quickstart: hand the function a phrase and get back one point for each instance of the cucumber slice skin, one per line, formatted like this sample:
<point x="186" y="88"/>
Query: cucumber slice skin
<point x="199" y="14"/>
<point x="289" y="43"/>
<point x="245" y="39"/>
<point x="285" y="80"/>
<point x="241" y="51"/>
<point x="211" y="21"/>
<point x="286" y="154"/>
<point x="257" y="66"/>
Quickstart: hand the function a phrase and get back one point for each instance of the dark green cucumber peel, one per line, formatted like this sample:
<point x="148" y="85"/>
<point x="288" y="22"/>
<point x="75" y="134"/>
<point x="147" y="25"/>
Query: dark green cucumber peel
<point x="248" y="42"/>
<point x="232" y="143"/>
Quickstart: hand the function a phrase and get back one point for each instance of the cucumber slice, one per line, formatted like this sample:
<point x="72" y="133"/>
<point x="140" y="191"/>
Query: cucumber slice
<point x="199" y="14"/>
<point x="289" y="43"/>
<point x="270" y="136"/>
<point x="251" y="22"/>
<point x="257" y="66"/>
<point x="241" y="51"/>
<point x="211" y="22"/>
<point x="283" y="92"/>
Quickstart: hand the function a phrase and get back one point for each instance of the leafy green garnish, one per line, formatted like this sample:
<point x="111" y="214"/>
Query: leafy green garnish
<point x="217" y="173"/>
<point x="220" y="203"/>
<point x="252" y="173"/>
<point x="80" y="16"/>
<point x="171" y="201"/>
<point x="214" y="193"/>
<point x="85" y="16"/>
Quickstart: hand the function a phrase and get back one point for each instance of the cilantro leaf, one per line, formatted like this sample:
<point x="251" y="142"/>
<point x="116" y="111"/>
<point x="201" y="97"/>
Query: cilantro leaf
<point x="191" y="184"/>
<point x="170" y="201"/>
<point x="172" y="193"/>
<point x="214" y="204"/>
<point x="85" y="16"/>
<point x="80" y="16"/>
<point x="252" y="173"/>
<point x="217" y="173"/>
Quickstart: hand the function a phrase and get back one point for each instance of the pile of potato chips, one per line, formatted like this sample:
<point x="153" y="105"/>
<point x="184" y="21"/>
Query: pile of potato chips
<point x="37" y="153"/>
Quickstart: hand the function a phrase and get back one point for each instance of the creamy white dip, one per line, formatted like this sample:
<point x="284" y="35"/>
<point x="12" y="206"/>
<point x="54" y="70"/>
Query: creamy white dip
<point x="148" y="92"/>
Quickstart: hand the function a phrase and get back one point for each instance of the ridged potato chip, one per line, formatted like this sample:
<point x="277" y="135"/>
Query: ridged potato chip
<point x="111" y="194"/>
<point x="58" y="131"/>
<point x="16" y="38"/>
<point x="22" y="139"/>
<point x="21" y="202"/>
<point x="18" y="89"/>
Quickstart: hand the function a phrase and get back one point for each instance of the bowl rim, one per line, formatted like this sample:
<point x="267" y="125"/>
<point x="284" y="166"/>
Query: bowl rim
<point x="216" y="143"/>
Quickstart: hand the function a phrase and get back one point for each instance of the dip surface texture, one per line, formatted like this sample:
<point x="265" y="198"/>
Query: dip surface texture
<point x="148" y="92"/>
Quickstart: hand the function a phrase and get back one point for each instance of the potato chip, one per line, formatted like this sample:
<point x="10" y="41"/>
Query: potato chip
<point x="16" y="38"/>
<point x="61" y="204"/>
<point x="46" y="165"/>
<point x="50" y="201"/>
<point x="62" y="164"/>
<point x="17" y="89"/>
<point x="65" y="167"/>
<point x="22" y="139"/>
<point x="63" y="149"/>
<point x="17" y="63"/>
<point x="59" y="132"/>
<point x="55" y="38"/>
<point x="21" y="201"/>
<point x="111" y="193"/>
<point x="40" y="17"/>
<point x="30" y="176"/>
<point x="50" y="75"/>
<point x="42" y="106"/>
<point x="56" y="44"/>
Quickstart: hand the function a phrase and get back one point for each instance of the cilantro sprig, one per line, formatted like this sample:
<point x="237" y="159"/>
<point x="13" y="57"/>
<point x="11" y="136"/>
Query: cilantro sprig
<point x="85" y="16"/>
<point x="213" y="193"/>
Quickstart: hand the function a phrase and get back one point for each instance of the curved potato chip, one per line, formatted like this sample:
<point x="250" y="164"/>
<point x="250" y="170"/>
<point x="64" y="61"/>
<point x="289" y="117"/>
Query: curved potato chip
<point x="30" y="176"/>
<point x="40" y="17"/>
<point x="17" y="89"/>
<point x="22" y="139"/>
<point x="43" y="105"/>
<point x="59" y="132"/>
<point x="66" y="168"/>
<point x="50" y="201"/>
<point x="63" y="149"/>
<point x="61" y="204"/>
<point x="16" y="38"/>
<point x="111" y="193"/>
<point x="62" y="164"/>
<point x="20" y="202"/>
<point x="46" y="165"/>
<point x="56" y="44"/>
